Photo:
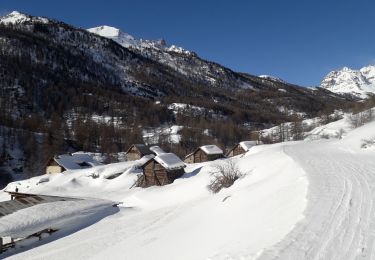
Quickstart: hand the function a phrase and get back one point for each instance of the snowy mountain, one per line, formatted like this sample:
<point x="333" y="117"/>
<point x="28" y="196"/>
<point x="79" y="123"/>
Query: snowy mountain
<point x="49" y="52"/>
<point x="272" y="78"/>
<point x="16" y="17"/>
<point x="56" y="76"/>
<point x="348" y="81"/>
<point x="129" y="41"/>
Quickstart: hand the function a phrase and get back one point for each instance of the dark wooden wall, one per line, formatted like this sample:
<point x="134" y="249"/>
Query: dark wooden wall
<point x="200" y="156"/>
<point x="237" y="150"/>
<point x="155" y="174"/>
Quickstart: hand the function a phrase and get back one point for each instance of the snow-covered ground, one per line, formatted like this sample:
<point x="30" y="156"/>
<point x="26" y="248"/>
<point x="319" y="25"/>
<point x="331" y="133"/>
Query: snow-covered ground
<point x="299" y="200"/>
<point x="339" y="221"/>
<point x="164" y="222"/>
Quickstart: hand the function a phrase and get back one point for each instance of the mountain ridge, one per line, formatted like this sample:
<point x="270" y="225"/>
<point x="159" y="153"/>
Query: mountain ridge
<point x="348" y="81"/>
<point x="56" y="80"/>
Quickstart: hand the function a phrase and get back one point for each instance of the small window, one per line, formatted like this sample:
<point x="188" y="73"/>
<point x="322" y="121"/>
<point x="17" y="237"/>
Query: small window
<point x="84" y="164"/>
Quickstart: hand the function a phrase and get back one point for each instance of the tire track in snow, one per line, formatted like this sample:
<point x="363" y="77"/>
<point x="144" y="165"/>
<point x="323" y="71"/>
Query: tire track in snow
<point x="339" y="219"/>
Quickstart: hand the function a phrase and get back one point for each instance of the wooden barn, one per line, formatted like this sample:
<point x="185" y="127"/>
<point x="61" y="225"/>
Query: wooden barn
<point x="204" y="153"/>
<point x="161" y="170"/>
<point x="137" y="151"/>
<point x="75" y="161"/>
<point x="242" y="147"/>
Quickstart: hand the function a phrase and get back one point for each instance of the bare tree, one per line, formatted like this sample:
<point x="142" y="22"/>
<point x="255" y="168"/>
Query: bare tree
<point x="341" y="133"/>
<point x="224" y="175"/>
<point x="297" y="130"/>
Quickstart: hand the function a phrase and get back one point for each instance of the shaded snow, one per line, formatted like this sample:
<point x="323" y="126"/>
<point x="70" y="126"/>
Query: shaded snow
<point x="57" y="215"/>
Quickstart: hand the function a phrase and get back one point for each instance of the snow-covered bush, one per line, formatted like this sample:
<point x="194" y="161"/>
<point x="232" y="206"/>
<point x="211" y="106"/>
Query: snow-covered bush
<point x="224" y="175"/>
<point x="366" y="143"/>
<point x="94" y="175"/>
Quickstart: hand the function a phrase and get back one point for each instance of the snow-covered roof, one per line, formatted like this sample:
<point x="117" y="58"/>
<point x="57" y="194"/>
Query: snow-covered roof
<point x="145" y="159"/>
<point x="170" y="161"/>
<point x="211" y="149"/>
<point x="57" y="214"/>
<point x="246" y="145"/>
<point x="29" y="200"/>
<point x="156" y="150"/>
<point x="76" y="161"/>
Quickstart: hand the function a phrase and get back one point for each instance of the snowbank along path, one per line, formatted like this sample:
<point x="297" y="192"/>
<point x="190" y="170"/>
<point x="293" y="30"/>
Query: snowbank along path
<point x="339" y="220"/>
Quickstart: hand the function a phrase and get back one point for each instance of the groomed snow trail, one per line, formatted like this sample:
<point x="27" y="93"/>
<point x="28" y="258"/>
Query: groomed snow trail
<point x="340" y="218"/>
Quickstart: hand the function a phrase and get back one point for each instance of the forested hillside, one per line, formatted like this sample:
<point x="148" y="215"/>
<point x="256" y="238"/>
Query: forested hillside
<point x="64" y="89"/>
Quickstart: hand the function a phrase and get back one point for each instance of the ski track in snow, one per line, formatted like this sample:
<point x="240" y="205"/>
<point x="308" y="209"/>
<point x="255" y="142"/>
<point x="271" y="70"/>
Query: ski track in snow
<point x="340" y="219"/>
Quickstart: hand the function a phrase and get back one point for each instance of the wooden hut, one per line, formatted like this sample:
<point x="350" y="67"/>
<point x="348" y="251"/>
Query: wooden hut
<point x="161" y="170"/>
<point x="242" y="147"/>
<point x="75" y="161"/>
<point x="204" y="153"/>
<point x="137" y="151"/>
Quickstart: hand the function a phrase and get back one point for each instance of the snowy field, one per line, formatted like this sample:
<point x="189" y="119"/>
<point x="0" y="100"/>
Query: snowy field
<point x="299" y="200"/>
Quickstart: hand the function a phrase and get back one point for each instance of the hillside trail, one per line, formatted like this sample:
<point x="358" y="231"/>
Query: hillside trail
<point x="339" y="219"/>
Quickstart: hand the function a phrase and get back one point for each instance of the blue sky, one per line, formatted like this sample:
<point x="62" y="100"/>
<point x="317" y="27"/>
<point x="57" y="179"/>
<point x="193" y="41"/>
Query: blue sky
<point x="299" y="41"/>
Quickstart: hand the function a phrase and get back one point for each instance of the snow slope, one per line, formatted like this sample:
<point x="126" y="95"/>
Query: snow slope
<point x="340" y="217"/>
<point x="167" y="222"/>
<point x="356" y="82"/>
<point x="311" y="199"/>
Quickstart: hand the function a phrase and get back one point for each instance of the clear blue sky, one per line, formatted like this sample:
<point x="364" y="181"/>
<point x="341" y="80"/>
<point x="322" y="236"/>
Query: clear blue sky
<point x="297" y="40"/>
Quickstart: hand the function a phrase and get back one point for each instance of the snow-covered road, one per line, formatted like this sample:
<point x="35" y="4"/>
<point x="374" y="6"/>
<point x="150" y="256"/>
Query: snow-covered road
<point x="340" y="218"/>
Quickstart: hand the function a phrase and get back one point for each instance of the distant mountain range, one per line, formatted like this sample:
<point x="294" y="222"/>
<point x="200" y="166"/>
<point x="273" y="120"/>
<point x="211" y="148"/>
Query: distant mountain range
<point x="348" y="81"/>
<point x="345" y="81"/>
<point x="51" y="52"/>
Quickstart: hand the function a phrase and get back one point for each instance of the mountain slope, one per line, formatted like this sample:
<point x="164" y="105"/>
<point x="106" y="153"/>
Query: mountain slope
<point x="357" y="82"/>
<point x="56" y="80"/>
